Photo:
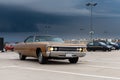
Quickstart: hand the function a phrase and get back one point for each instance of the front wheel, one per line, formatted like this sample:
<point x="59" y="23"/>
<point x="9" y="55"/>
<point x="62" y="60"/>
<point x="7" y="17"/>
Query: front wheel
<point x="41" y="58"/>
<point x="73" y="60"/>
<point x="22" y="57"/>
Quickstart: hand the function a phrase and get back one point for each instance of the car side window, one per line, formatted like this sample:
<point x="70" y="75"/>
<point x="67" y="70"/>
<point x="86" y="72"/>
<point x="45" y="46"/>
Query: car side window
<point x="29" y="39"/>
<point x="39" y="39"/>
<point x="97" y="44"/>
<point x="90" y="44"/>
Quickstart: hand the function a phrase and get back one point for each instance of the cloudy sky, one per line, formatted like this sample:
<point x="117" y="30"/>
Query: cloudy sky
<point x="59" y="17"/>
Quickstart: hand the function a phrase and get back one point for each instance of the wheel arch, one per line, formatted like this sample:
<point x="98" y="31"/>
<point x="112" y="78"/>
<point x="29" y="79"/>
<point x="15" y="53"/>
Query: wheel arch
<point x="37" y="51"/>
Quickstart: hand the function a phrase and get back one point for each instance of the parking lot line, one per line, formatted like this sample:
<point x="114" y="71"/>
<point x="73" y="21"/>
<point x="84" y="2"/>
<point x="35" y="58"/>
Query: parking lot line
<point x="2" y="67"/>
<point x="103" y="61"/>
<point x="103" y="67"/>
<point x="64" y="72"/>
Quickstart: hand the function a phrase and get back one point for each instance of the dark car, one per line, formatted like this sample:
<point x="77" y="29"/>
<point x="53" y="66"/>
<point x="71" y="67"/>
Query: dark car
<point x="96" y="45"/>
<point x="118" y="44"/>
<point x="115" y="45"/>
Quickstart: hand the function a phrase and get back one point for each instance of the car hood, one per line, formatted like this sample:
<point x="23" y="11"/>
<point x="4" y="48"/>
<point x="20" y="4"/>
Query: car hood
<point x="63" y="44"/>
<point x="109" y="46"/>
<point x="56" y="44"/>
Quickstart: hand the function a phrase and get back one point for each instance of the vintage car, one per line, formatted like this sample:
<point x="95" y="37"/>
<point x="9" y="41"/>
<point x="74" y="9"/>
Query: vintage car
<point x="49" y="47"/>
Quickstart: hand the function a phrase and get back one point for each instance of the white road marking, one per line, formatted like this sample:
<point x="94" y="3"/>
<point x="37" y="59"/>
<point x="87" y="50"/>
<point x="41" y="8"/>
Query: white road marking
<point x="103" y="67"/>
<point x="70" y="73"/>
<point x="2" y="67"/>
<point x="102" y="62"/>
<point x="64" y="72"/>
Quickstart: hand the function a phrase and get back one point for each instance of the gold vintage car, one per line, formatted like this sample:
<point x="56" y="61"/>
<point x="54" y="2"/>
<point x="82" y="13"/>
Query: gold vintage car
<point x="49" y="47"/>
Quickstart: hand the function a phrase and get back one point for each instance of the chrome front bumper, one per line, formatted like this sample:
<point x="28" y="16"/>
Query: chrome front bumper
<point x="65" y="54"/>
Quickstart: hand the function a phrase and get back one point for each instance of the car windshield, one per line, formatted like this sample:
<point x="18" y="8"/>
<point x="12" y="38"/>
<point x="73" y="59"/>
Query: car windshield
<point x="48" y="38"/>
<point x="102" y="43"/>
<point x="112" y="43"/>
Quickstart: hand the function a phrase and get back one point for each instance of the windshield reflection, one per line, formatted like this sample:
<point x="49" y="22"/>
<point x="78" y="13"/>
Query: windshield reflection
<point x="48" y="39"/>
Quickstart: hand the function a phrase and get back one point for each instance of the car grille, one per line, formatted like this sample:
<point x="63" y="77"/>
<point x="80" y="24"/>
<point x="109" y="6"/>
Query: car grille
<point x="66" y="48"/>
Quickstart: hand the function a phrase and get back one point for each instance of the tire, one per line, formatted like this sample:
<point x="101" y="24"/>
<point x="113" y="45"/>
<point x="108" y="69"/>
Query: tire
<point x="12" y="49"/>
<point x="22" y="57"/>
<point x="88" y="50"/>
<point x="41" y="58"/>
<point x="109" y="49"/>
<point x="73" y="60"/>
<point x="104" y="49"/>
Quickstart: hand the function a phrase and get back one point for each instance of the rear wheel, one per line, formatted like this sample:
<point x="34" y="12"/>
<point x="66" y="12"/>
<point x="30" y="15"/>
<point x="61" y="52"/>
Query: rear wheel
<point x="22" y="57"/>
<point x="104" y="49"/>
<point x="12" y="49"/>
<point x="41" y="58"/>
<point x="73" y="60"/>
<point x="109" y="49"/>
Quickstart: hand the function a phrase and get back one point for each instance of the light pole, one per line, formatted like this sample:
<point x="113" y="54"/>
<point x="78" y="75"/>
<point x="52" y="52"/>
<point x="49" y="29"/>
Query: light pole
<point x="91" y="20"/>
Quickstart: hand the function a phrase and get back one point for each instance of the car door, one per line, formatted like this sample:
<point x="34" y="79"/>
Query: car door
<point x="97" y="46"/>
<point x="28" y="45"/>
<point x="90" y="46"/>
<point x="100" y="46"/>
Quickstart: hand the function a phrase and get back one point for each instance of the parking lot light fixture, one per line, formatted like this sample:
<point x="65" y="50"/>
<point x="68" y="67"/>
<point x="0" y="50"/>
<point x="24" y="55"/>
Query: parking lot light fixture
<point x="91" y="20"/>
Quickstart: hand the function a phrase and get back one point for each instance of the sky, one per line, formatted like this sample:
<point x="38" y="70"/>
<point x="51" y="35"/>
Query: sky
<point x="66" y="18"/>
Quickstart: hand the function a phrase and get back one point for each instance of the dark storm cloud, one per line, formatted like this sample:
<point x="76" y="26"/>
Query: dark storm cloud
<point x="63" y="16"/>
<point x="66" y="7"/>
<point x="49" y="6"/>
<point x="14" y="19"/>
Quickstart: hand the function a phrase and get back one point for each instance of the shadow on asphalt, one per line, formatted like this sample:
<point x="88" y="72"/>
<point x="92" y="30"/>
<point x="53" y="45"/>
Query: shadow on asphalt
<point x="50" y="62"/>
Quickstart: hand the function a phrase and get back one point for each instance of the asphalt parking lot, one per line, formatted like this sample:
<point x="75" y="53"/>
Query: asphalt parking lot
<point x="95" y="66"/>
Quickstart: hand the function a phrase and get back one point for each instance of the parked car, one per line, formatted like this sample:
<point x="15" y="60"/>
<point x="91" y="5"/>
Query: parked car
<point x="118" y="44"/>
<point x="9" y="46"/>
<point x="96" y="45"/>
<point x="49" y="47"/>
<point x="114" y="44"/>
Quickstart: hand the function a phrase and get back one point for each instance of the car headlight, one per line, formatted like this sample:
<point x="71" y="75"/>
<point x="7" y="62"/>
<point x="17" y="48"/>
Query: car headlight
<point x="55" y="48"/>
<point x="52" y="49"/>
<point x="79" y="49"/>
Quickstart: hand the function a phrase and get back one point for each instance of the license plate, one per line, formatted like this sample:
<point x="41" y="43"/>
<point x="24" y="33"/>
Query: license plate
<point x="68" y="55"/>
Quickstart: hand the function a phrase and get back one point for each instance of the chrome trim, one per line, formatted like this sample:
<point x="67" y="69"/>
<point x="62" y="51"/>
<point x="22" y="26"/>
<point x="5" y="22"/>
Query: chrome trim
<point x="61" y="54"/>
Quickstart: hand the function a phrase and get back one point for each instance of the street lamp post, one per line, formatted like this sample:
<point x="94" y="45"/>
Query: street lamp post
<point x="91" y="20"/>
